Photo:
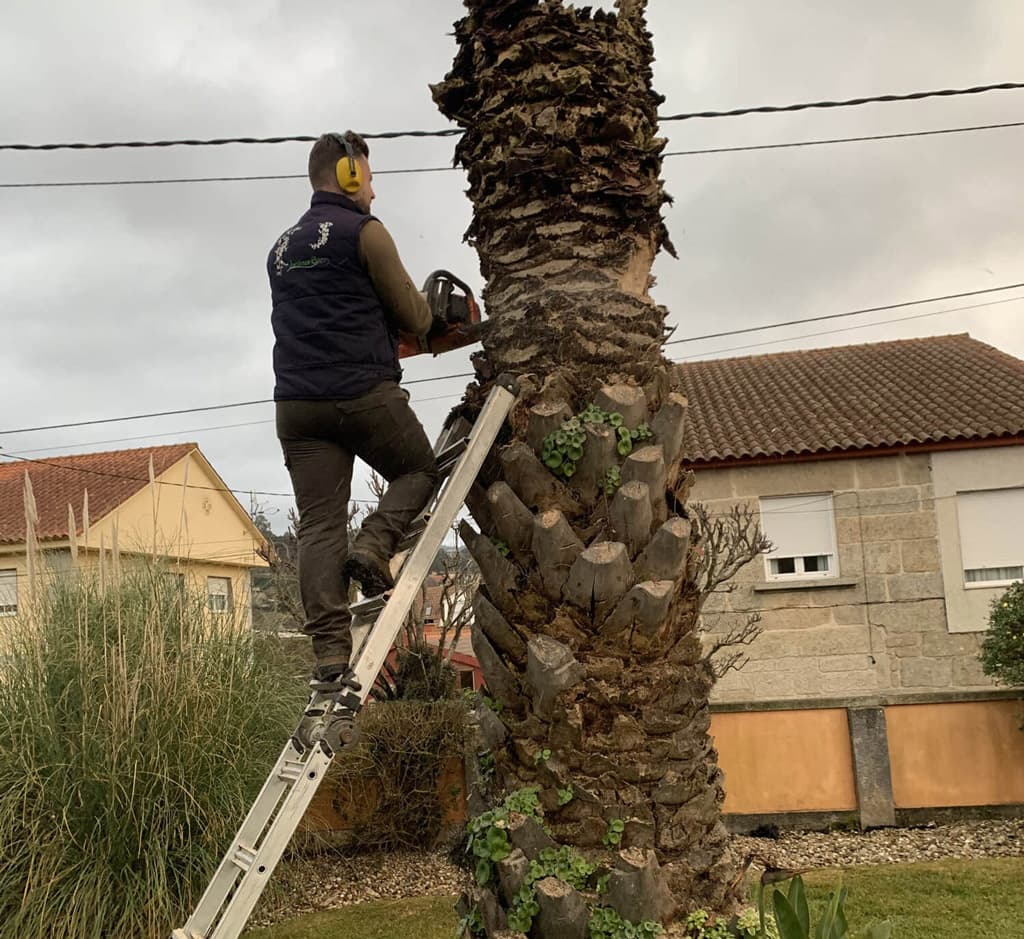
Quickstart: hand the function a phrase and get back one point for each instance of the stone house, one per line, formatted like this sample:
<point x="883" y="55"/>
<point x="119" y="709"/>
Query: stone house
<point x="890" y="479"/>
<point x="94" y="504"/>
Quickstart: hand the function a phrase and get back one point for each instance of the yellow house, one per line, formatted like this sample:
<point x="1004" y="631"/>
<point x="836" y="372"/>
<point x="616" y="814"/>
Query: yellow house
<point x="166" y="502"/>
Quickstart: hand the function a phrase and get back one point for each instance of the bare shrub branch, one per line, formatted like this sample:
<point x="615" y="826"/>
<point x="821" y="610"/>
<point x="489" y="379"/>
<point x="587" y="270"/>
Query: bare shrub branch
<point x="742" y="634"/>
<point x="724" y="543"/>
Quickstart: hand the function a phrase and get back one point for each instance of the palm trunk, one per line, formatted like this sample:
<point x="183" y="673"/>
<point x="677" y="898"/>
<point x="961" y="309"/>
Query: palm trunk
<point x="586" y="626"/>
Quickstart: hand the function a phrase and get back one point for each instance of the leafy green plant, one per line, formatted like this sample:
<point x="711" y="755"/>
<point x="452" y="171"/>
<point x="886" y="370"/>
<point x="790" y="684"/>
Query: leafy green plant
<point x="613" y="836"/>
<point x="493" y="703"/>
<point x="612" y="480"/>
<point x="605" y="923"/>
<point x="562" y="449"/>
<point x="563" y="863"/>
<point x="701" y="925"/>
<point x="486" y="765"/>
<point x="473" y="922"/>
<point x="541" y="756"/>
<point x="565" y="796"/>
<point x="793" y="917"/>
<point x="1002" y="652"/>
<point x="501" y="547"/>
<point x="488" y="838"/>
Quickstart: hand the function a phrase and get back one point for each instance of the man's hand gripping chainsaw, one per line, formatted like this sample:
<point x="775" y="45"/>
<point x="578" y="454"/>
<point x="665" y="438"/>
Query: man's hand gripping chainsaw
<point x="456" y="316"/>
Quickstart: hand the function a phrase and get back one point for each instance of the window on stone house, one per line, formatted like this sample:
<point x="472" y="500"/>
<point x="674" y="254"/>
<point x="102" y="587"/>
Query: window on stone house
<point x="991" y="547"/>
<point x="218" y="591"/>
<point x="802" y="531"/>
<point x="8" y="593"/>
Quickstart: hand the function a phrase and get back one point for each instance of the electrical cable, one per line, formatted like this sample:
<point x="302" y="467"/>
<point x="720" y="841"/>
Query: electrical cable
<point x="835" y="316"/>
<point x="447" y="169"/>
<point x="209" y="407"/>
<point x="716" y="335"/>
<point x="455" y="131"/>
<point x="844" y="329"/>
<point x="289" y="495"/>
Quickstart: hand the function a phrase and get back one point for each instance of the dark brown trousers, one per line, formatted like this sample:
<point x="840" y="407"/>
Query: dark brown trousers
<point x="320" y="440"/>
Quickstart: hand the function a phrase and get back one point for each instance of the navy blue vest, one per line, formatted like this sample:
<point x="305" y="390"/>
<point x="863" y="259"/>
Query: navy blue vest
<point x="333" y="337"/>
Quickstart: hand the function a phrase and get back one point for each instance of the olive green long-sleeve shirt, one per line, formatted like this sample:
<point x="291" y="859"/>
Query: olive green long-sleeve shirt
<point x="406" y="305"/>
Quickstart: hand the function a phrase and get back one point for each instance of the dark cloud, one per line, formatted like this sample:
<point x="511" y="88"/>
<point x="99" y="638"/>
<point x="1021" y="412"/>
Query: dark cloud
<point x="135" y="299"/>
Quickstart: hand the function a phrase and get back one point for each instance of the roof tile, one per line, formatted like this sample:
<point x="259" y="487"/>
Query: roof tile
<point x="111" y="478"/>
<point x="848" y="398"/>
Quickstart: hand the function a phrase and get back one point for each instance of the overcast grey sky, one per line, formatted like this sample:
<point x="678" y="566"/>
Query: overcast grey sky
<point x="145" y="298"/>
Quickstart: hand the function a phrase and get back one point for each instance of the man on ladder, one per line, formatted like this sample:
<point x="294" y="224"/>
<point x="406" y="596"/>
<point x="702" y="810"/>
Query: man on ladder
<point x="341" y="298"/>
<point x="341" y="301"/>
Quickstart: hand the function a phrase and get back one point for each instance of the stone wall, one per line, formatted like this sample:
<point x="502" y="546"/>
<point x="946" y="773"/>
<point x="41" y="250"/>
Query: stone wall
<point x="880" y="625"/>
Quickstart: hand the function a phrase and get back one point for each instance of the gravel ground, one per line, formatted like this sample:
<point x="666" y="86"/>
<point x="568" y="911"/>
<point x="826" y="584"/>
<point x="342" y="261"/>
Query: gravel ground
<point x="334" y="880"/>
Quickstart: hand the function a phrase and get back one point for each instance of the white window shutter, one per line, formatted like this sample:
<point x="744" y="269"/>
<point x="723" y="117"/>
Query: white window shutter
<point x="991" y="528"/>
<point x="8" y="591"/>
<point x="799" y="525"/>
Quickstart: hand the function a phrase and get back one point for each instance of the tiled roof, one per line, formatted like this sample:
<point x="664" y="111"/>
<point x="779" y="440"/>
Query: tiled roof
<point x="847" y="398"/>
<point x="111" y="478"/>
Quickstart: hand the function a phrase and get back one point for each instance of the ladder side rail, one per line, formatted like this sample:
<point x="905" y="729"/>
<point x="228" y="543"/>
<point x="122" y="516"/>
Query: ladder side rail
<point x="255" y="879"/>
<point x="377" y="645"/>
<point x="248" y="834"/>
<point x="234" y="904"/>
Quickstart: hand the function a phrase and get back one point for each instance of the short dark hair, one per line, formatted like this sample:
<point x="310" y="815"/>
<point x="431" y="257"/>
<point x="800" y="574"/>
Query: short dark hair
<point x="327" y="151"/>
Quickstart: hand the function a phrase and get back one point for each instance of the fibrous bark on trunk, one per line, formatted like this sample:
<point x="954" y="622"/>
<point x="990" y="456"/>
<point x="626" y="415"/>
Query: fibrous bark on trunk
<point x="563" y="162"/>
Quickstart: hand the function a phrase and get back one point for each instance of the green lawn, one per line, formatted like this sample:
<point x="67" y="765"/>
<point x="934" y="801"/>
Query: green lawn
<point x="940" y="900"/>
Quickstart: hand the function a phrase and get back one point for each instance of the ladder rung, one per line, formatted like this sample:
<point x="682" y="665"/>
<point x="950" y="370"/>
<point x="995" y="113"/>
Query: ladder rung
<point x="448" y="457"/>
<point x="366" y="607"/>
<point x="243" y="857"/>
<point x="186" y="934"/>
<point x="291" y="771"/>
<point x="413" y="534"/>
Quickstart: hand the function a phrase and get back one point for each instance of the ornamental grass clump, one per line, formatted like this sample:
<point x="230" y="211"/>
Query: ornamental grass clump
<point x="136" y="728"/>
<point x="1002" y="652"/>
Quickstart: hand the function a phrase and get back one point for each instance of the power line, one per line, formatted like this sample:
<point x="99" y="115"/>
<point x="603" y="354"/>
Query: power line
<point x="221" y="141"/>
<point x="846" y="329"/>
<point x="454" y="131"/>
<point x="145" y="479"/>
<point x="848" y="103"/>
<point x="835" y="316"/>
<point x="739" y="332"/>
<point x="208" y="407"/>
<point x="257" y="492"/>
<point x="181" y="433"/>
<point x="835" y="140"/>
<point x="207" y="179"/>
<point x="448" y="397"/>
<point x="448" y="169"/>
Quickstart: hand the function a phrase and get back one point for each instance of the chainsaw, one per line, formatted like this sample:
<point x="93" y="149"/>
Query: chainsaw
<point x="456" y="317"/>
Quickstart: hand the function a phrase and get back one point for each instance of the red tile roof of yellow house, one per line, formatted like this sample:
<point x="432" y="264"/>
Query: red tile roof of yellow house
<point x="912" y="392"/>
<point x="111" y="479"/>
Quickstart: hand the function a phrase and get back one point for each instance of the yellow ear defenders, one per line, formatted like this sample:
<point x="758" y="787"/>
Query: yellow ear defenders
<point x="348" y="170"/>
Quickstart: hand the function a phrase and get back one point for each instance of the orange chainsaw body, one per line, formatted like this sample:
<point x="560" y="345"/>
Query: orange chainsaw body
<point x="456" y="316"/>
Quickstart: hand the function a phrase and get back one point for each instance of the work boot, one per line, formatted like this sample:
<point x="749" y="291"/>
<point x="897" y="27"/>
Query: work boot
<point x="333" y="678"/>
<point x="370" y="571"/>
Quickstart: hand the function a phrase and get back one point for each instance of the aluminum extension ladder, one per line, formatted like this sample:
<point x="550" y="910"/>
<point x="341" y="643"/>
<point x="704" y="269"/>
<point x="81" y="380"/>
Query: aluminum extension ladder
<point x="228" y="901"/>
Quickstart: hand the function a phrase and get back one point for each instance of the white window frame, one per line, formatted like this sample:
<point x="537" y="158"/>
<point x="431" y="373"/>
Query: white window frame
<point x="1002" y="524"/>
<point x="793" y="504"/>
<point x="227" y="595"/>
<point x="9" y="609"/>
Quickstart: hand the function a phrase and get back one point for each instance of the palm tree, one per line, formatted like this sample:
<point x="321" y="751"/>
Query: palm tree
<point x="593" y="568"/>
